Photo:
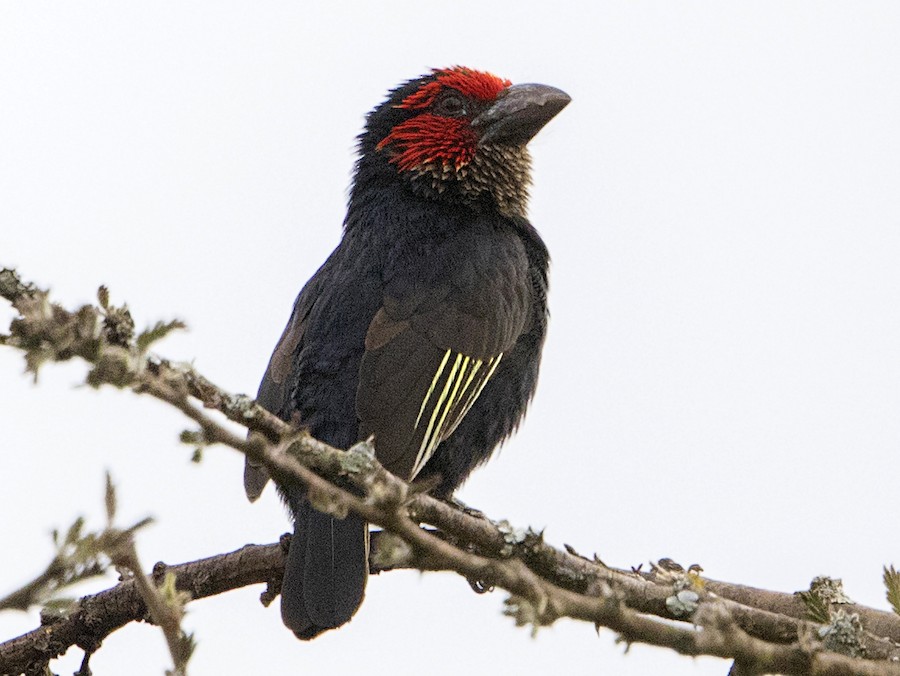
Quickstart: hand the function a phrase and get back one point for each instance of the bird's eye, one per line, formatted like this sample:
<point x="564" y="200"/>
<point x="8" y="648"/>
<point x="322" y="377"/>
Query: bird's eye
<point x="450" y="105"/>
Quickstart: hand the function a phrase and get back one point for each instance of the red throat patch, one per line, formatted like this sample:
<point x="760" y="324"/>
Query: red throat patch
<point x="430" y="139"/>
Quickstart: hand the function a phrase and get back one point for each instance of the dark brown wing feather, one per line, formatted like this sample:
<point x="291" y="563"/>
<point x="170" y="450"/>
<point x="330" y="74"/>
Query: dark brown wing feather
<point x="428" y="356"/>
<point x="274" y="392"/>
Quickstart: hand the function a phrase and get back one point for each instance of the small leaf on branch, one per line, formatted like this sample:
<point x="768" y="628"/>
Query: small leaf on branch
<point x="174" y="598"/>
<point x="823" y="592"/>
<point x="197" y="439"/>
<point x="158" y="331"/>
<point x="892" y="582"/>
<point x="103" y="297"/>
<point x="816" y="608"/>
<point x="110" y="500"/>
<point x="73" y="535"/>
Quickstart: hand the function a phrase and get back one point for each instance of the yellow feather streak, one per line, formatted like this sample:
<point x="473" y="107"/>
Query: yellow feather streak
<point x="462" y="374"/>
<point x="432" y="433"/>
<point x="452" y="400"/>
<point x="493" y="362"/>
<point x="434" y="382"/>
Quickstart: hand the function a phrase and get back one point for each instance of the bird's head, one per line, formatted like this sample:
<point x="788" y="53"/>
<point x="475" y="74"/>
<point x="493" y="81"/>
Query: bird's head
<point x="460" y="135"/>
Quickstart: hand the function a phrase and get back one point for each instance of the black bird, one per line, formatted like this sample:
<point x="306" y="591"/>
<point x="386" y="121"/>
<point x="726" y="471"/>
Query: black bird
<point x="424" y="327"/>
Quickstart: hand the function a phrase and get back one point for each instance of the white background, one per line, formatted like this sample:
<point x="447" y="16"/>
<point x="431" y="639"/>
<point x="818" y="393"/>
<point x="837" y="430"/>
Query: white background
<point x="721" y="382"/>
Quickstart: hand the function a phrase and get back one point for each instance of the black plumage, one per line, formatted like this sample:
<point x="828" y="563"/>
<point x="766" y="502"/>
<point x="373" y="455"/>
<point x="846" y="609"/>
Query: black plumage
<point x="424" y="327"/>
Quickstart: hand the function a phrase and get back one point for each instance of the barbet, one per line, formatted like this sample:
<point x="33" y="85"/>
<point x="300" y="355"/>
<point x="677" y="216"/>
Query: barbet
<point x="424" y="327"/>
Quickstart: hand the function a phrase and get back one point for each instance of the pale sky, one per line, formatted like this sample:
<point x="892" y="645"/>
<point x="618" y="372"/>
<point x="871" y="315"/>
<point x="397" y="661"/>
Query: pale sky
<point x="721" y="382"/>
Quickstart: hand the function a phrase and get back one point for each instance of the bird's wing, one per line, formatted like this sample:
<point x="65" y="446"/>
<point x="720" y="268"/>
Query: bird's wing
<point x="274" y="393"/>
<point x="429" y="351"/>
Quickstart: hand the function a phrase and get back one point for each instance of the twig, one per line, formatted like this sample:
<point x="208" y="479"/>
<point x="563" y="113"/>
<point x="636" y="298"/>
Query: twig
<point x="166" y="611"/>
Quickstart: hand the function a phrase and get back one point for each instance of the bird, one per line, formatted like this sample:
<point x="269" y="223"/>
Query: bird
<point x="423" y="330"/>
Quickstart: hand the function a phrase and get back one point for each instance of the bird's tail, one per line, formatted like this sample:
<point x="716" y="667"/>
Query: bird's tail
<point x="325" y="573"/>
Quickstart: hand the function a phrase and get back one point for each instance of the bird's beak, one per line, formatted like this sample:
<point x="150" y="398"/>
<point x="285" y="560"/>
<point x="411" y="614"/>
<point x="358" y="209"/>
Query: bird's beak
<point x="519" y="113"/>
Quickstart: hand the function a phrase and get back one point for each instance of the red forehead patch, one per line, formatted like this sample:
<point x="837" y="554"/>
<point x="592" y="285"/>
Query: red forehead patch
<point x="475" y="84"/>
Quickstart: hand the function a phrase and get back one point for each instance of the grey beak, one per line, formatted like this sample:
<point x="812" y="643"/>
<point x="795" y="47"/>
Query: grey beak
<point x="519" y="113"/>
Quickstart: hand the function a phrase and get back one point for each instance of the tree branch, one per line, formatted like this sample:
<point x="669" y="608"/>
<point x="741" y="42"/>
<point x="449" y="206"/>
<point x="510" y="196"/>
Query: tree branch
<point x="98" y="615"/>
<point x="761" y="631"/>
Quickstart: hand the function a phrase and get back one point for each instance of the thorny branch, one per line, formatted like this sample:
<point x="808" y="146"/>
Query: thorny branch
<point x="761" y="631"/>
